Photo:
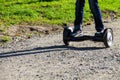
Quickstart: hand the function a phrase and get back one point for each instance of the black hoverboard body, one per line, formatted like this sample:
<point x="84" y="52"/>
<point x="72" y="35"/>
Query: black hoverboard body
<point x="106" y="37"/>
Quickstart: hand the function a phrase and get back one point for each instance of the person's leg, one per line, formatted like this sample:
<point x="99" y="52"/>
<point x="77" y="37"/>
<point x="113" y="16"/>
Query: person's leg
<point x="79" y="14"/>
<point x="96" y="14"/>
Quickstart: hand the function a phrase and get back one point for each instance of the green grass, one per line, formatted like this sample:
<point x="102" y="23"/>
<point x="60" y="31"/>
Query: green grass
<point x="4" y="39"/>
<point x="35" y="12"/>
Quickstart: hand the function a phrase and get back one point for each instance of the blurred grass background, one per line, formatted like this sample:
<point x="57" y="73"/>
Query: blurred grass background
<point x="50" y="12"/>
<point x="38" y="12"/>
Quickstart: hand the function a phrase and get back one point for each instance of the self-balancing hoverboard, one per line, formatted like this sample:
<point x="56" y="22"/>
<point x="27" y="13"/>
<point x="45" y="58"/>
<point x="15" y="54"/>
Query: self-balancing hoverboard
<point x="106" y="37"/>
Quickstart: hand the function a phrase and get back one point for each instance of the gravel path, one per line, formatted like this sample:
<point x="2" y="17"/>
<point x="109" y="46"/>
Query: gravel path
<point x="47" y="58"/>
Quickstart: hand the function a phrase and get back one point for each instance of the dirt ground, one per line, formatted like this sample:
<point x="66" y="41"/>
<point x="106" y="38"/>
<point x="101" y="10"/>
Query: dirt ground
<point x="46" y="58"/>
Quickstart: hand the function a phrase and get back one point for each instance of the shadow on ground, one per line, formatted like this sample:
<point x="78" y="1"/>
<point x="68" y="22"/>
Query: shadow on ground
<point x="39" y="50"/>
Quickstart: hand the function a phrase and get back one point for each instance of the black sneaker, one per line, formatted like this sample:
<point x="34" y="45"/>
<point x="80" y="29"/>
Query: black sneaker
<point x="77" y="33"/>
<point x="99" y="34"/>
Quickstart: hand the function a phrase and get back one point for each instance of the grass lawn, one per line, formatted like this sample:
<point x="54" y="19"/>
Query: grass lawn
<point x="36" y="12"/>
<point x="39" y="12"/>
